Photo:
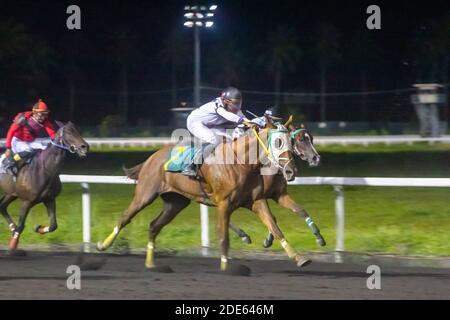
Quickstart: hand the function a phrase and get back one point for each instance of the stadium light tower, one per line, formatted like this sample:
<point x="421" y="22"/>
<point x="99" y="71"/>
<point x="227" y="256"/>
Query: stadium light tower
<point x="196" y="17"/>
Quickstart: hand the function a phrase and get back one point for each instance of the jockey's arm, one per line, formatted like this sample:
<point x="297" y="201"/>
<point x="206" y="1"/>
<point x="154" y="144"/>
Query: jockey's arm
<point x="49" y="128"/>
<point x="12" y="130"/>
<point x="232" y="117"/>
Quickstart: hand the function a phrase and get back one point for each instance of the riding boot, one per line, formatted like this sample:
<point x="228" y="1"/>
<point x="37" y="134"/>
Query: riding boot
<point x="192" y="169"/>
<point x="10" y="163"/>
<point x="16" y="160"/>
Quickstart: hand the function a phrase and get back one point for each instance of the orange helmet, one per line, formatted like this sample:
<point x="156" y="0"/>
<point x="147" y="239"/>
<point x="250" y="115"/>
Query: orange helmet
<point x="41" y="106"/>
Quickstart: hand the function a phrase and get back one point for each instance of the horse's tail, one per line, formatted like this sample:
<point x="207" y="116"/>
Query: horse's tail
<point x="133" y="173"/>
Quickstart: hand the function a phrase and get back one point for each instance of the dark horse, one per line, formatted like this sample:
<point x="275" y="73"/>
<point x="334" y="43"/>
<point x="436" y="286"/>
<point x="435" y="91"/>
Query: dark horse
<point x="39" y="181"/>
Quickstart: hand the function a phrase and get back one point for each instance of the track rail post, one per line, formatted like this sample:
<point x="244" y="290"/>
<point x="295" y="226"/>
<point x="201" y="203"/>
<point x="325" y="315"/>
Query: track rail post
<point x="340" y="223"/>
<point x="205" y="228"/>
<point x="86" y="204"/>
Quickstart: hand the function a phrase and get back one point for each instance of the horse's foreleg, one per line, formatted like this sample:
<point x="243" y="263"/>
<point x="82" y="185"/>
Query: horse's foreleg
<point x="261" y="208"/>
<point x="287" y="202"/>
<point x="172" y="206"/>
<point x="26" y="206"/>
<point x="224" y="213"/>
<point x="4" y="203"/>
<point x="241" y="233"/>
<point x="141" y="199"/>
<point x="51" y="210"/>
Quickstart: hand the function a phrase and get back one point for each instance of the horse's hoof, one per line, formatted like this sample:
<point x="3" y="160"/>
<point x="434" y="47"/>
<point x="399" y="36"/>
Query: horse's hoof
<point x="238" y="270"/>
<point x="321" y="241"/>
<point x="267" y="243"/>
<point x="100" y="247"/>
<point x="303" y="262"/>
<point x="161" y="269"/>
<point x="16" y="253"/>
<point x="39" y="229"/>
<point x="246" y="240"/>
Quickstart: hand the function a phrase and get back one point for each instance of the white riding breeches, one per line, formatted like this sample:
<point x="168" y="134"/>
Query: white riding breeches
<point x="208" y="135"/>
<point x="18" y="145"/>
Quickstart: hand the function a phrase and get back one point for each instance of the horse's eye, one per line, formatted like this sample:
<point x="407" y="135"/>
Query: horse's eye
<point x="278" y="143"/>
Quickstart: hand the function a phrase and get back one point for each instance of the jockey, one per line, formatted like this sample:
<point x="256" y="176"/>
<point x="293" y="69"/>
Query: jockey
<point x="209" y="122"/>
<point x="29" y="131"/>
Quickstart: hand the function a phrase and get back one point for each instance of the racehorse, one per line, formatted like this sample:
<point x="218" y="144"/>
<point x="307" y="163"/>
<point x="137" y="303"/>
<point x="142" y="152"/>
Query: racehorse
<point x="275" y="186"/>
<point x="226" y="186"/>
<point x="39" y="181"/>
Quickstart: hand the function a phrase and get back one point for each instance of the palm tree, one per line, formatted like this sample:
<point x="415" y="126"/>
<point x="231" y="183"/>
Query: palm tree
<point x="280" y="54"/>
<point x="327" y="51"/>
<point x="174" y="51"/>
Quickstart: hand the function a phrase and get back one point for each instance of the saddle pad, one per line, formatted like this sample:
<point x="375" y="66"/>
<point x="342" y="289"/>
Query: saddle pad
<point x="179" y="158"/>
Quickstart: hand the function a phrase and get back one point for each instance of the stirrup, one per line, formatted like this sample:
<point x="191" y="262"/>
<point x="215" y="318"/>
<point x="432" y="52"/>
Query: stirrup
<point x="190" y="171"/>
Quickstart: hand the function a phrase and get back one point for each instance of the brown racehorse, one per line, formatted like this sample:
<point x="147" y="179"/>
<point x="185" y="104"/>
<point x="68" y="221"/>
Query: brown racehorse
<point x="39" y="181"/>
<point x="226" y="186"/>
<point x="275" y="186"/>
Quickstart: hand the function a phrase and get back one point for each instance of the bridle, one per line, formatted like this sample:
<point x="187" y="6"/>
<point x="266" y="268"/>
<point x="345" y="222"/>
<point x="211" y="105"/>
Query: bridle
<point x="270" y="152"/>
<point x="61" y="143"/>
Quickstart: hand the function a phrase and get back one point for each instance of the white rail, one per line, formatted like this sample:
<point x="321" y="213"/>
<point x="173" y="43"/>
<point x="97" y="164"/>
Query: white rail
<point x="337" y="182"/>
<point x="319" y="140"/>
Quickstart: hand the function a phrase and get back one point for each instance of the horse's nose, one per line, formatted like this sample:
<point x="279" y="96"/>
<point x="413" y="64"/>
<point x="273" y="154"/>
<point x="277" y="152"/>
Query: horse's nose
<point x="316" y="159"/>
<point x="289" y="174"/>
<point x="84" y="148"/>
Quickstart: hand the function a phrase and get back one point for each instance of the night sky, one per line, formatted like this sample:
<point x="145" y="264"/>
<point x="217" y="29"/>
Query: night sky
<point x="244" y="25"/>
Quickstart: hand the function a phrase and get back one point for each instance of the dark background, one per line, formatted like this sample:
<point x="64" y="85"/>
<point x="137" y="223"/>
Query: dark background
<point x="131" y="57"/>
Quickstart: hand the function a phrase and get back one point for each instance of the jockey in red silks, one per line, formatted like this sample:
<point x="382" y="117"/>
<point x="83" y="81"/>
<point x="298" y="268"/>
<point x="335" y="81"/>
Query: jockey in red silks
<point x="29" y="131"/>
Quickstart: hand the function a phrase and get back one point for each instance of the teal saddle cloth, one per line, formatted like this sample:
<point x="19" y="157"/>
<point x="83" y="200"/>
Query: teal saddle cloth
<point x="180" y="157"/>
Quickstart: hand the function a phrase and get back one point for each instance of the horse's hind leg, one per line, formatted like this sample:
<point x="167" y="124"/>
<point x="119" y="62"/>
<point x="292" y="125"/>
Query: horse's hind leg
<point x="261" y="208"/>
<point x="4" y="203"/>
<point x="26" y="206"/>
<point x="142" y="197"/>
<point x="51" y="210"/>
<point x="286" y="201"/>
<point x="241" y="234"/>
<point x="173" y="204"/>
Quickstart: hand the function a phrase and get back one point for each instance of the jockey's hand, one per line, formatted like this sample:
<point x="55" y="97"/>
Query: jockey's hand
<point x="7" y="153"/>
<point x="250" y="124"/>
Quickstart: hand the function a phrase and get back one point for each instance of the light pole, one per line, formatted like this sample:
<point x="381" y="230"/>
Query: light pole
<point x="198" y="16"/>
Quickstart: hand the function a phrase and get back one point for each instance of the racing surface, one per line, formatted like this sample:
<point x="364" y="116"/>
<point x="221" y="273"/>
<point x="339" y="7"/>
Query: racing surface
<point x="42" y="275"/>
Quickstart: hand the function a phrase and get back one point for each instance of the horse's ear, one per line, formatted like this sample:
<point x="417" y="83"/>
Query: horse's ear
<point x="59" y="124"/>
<point x="289" y="125"/>
<point x="269" y="123"/>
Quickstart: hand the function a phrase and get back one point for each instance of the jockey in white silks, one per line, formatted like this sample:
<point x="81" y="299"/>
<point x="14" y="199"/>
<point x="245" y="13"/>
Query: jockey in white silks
<point x="210" y="121"/>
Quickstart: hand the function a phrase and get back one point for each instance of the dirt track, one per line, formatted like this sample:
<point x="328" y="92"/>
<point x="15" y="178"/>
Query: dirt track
<point x="43" y="276"/>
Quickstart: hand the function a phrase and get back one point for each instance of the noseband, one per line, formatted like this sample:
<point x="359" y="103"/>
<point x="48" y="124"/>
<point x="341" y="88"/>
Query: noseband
<point x="60" y="143"/>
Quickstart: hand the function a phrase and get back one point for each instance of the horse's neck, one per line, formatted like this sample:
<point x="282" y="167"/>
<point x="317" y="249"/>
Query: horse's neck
<point x="51" y="159"/>
<point x="250" y="144"/>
